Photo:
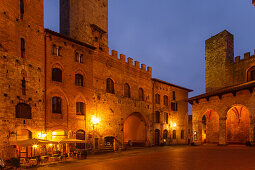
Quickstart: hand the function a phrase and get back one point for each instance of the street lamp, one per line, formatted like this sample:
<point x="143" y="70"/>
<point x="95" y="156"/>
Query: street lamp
<point x="94" y="120"/>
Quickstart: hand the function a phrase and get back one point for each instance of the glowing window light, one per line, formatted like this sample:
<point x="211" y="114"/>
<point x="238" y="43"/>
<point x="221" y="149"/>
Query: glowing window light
<point x="54" y="133"/>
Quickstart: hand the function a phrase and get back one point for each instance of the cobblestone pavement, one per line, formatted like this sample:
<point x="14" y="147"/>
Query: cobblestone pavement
<point x="168" y="158"/>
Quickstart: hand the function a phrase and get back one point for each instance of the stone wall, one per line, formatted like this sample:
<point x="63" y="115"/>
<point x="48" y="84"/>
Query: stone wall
<point x="222" y="106"/>
<point x="12" y="71"/>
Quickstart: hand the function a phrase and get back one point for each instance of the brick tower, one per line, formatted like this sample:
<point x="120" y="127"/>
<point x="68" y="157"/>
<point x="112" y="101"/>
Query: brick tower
<point x="22" y="29"/>
<point x="85" y="20"/>
<point x="219" y="54"/>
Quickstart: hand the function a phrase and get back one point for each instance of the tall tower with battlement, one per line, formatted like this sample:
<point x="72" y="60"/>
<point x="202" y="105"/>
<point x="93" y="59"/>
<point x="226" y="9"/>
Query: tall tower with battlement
<point x="219" y="55"/>
<point x="85" y="20"/>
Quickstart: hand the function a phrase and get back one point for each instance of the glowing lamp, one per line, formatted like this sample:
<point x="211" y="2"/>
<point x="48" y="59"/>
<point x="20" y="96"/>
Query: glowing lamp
<point x="35" y="146"/>
<point x="94" y="120"/>
<point x="54" y="133"/>
<point x="174" y="125"/>
<point x="50" y="144"/>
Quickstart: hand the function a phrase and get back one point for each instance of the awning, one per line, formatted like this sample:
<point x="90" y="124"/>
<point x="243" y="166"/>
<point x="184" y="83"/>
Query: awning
<point x="31" y="142"/>
<point x="72" y="141"/>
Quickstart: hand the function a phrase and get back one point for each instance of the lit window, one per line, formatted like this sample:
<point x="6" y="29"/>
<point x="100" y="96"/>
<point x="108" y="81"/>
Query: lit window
<point x="78" y="80"/>
<point x="56" y="105"/>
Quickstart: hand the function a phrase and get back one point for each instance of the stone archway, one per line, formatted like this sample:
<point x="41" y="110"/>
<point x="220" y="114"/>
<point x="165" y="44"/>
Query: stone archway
<point x="135" y="129"/>
<point x="210" y="127"/>
<point x="238" y="125"/>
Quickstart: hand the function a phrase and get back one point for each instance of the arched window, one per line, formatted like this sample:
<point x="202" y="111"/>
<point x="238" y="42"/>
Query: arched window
<point x="56" y="105"/>
<point x="77" y="57"/>
<point x="54" y="49"/>
<point x="109" y="86"/>
<point x="157" y="99"/>
<point x="80" y="108"/>
<point x="81" y="58"/>
<point x="166" y="100"/>
<point x="251" y="74"/>
<point x="56" y="75"/>
<point x="59" y="51"/>
<point x="78" y="80"/>
<point x="23" y="110"/>
<point x="21" y="9"/>
<point x="22" y="47"/>
<point x="23" y="85"/>
<point x="126" y="90"/>
<point x="174" y="134"/>
<point x="141" y="94"/>
<point x="182" y="134"/>
<point x="157" y="117"/>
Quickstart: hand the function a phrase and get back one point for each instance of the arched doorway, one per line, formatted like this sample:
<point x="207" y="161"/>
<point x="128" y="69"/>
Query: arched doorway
<point x="80" y="135"/>
<point x="238" y="125"/>
<point x="135" y="130"/>
<point x="157" y="137"/>
<point x="210" y="127"/>
<point x="24" y="151"/>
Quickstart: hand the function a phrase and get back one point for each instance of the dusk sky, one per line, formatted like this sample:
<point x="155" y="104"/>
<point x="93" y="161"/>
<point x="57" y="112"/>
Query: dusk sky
<point x="169" y="35"/>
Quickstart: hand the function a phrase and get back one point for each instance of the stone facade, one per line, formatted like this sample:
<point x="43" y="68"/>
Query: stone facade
<point x="225" y="113"/>
<point x="54" y="85"/>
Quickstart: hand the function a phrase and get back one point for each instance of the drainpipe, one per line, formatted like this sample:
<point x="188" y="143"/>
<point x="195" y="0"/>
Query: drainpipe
<point x="45" y="77"/>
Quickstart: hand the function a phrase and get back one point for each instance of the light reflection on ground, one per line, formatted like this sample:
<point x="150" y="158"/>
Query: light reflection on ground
<point x="169" y="158"/>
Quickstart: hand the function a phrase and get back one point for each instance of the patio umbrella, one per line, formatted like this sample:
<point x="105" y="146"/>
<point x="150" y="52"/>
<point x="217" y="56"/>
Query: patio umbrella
<point x="31" y="142"/>
<point x="72" y="141"/>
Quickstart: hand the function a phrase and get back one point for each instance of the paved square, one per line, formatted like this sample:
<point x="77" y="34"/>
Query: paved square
<point x="166" y="158"/>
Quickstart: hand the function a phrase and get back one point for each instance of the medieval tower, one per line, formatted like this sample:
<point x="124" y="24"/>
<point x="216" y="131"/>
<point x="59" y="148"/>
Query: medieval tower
<point x="86" y="21"/>
<point x="219" y="54"/>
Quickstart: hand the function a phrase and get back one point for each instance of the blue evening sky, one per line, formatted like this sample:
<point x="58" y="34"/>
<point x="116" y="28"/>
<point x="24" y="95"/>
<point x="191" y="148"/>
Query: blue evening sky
<point x="169" y="35"/>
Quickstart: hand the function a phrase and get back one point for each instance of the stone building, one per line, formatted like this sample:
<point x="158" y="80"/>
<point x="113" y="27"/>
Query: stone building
<point x="59" y="86"/>
<point x="225" y="113"/>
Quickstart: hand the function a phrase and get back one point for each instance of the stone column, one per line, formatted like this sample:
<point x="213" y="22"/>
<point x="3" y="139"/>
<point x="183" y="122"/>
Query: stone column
<point x="223" y="134"/>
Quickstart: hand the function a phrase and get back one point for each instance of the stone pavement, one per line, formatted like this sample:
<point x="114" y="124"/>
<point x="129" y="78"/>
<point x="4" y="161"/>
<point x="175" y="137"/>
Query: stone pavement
<point x="208" y="157"/>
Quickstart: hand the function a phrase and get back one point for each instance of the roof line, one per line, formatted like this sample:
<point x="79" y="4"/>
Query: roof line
<point x="225" y="90"/>
<point x="69" y="39"/>
<point x="164" y="82"/>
